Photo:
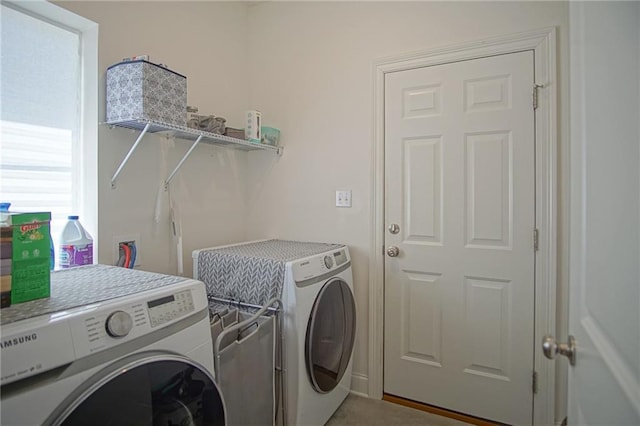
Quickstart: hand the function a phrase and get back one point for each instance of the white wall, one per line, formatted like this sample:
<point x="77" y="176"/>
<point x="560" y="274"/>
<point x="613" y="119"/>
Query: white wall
<point x="311" y="74"/>
<point x="205" y="41"/>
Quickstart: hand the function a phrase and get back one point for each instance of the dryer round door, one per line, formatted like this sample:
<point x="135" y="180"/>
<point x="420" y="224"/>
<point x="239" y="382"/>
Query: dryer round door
<point x="145" y="389"/>
<point x="330" y="335"/>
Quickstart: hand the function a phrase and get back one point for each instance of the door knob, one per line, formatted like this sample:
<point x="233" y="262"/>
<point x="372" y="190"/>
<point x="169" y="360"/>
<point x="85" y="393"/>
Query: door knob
<point x="393" y="251"/>
<point x="551" y="348"/>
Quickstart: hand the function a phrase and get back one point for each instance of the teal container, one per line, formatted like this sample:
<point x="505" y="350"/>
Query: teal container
<point x="270" y="136"/>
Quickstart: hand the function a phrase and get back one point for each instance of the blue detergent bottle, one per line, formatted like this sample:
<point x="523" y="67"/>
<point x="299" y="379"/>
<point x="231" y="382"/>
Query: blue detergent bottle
<point x="4" y="214"/>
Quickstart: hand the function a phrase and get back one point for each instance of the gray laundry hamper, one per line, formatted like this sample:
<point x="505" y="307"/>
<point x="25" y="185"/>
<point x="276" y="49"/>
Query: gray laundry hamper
<point x="244" y="350"/>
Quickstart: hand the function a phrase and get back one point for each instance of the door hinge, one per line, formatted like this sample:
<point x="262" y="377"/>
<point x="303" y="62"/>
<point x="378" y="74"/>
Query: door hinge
<point x="535" y="382"/>
<point x="535" y="94"/>
<point x="535" y="239"/>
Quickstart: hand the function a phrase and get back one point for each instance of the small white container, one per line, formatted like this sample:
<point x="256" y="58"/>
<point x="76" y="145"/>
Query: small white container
<point x="252" y="131"/>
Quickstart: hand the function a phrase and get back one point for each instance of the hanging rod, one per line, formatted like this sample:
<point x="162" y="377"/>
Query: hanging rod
<point x="268" y="306"/>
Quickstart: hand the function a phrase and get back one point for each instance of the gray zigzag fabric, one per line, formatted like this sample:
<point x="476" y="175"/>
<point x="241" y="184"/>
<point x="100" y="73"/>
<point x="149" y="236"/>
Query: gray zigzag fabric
<point x="252" y="273"/>
<point x="84" y="285"/>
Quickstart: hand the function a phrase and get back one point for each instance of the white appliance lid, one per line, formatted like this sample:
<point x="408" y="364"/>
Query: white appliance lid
<point x="85" y="285"/>
<point x="279" y="250"/>
<point x="252" y="273"/>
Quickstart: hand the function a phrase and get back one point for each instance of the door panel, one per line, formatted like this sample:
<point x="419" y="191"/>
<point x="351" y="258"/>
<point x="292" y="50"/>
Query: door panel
<point x="422" y="325"/>
<point x="488" y="181"/>
<point x="487" y="324"/>
<point x="604" y="384"/>
<point x="459" y="180"/>
<point x="423" y="179"/>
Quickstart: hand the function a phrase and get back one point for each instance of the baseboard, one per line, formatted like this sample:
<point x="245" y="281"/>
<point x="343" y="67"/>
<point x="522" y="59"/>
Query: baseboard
<point x="360" y="384"/>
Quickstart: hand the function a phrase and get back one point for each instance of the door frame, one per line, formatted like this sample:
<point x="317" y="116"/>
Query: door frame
<point x="543" y="43"/>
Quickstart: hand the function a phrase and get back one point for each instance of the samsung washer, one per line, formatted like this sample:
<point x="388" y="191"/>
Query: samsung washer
<point x="111" y="346"/>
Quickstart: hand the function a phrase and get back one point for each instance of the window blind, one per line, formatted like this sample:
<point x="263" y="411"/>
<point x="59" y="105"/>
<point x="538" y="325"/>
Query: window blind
<point x="39" y="115"/>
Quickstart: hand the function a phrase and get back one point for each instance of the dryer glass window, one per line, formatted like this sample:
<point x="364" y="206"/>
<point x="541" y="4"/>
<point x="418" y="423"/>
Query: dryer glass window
<point x="164" y="392"/>
<point x="330" y="335"/>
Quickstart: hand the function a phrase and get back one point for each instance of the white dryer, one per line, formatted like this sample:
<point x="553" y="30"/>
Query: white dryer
<point x="111" y="346"/>
<point x="314" y="282"/>
<point x="320" y="330"/>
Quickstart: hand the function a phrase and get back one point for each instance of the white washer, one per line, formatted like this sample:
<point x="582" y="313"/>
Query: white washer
<point x="320" y="324"/>
<point x="140" y="358"/>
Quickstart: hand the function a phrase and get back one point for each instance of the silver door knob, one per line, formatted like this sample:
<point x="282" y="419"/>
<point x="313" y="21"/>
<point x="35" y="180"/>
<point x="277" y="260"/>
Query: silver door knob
<point x="394" y="228"/>
<point x="393" y="251"/>
<point x="551" y="348"/>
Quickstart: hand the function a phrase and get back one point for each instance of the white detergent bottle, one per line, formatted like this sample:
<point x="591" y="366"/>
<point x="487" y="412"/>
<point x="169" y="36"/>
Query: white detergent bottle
<point x="76" y="245"/>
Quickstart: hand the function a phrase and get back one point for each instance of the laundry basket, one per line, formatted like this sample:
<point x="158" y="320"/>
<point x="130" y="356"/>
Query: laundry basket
<point x="244" y="353"/>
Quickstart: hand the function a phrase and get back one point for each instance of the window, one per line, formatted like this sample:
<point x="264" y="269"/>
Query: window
<point x="47" y="116"/>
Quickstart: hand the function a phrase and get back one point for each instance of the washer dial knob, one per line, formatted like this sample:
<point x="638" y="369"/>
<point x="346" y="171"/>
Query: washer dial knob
<point x="119" y="324"/>
<point x="328" y="262"/>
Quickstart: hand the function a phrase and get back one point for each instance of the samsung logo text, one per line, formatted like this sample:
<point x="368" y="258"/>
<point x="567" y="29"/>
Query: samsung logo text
<point x="19" y="340"/>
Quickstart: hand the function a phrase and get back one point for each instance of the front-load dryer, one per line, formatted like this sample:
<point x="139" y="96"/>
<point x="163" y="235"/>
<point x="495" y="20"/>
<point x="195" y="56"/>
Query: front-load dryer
<point x="111" y="346"/>
<point x="315" y="283"/>
<point x="320" y="330"/>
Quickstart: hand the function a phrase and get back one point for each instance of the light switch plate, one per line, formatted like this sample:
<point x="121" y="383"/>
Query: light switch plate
<point x="343" y="198"/>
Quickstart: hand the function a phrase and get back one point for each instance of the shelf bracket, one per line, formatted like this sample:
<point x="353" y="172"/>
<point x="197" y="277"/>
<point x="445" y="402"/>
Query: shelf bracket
<point x="126" y="158"/>
<point x="168" y="180"/>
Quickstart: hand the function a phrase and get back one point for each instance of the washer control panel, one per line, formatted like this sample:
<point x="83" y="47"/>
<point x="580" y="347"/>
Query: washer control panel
<point x="121" y="322"/>
<point x="170" y="307"/>
<point x="49" y="341"/>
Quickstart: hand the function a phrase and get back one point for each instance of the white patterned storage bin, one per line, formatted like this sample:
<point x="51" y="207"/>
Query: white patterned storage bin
<point x="141" y="90"/>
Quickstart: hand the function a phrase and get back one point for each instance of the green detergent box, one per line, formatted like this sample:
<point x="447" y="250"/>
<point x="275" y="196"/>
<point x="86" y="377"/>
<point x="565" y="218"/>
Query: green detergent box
<point x="30" y="254"/>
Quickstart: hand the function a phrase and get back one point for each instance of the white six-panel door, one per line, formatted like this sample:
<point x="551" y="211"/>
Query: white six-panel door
<point x="459" y="183"/>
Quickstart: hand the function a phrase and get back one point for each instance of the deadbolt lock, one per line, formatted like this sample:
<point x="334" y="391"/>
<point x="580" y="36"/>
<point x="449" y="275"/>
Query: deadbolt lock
<point x="394" y="228"/>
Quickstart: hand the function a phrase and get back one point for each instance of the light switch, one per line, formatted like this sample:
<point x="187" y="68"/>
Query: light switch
<point x="343" y="198"/>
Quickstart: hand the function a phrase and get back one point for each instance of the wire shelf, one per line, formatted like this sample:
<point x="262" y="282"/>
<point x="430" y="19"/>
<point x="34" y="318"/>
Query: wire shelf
<point x="186" y="133"/>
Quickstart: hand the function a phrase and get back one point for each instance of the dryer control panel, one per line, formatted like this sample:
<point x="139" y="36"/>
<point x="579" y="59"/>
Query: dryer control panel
<point x="320" y="265"/>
